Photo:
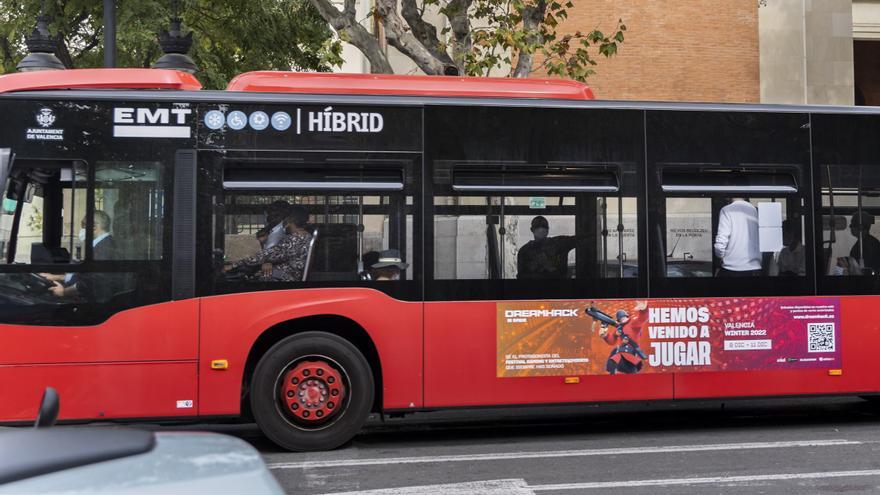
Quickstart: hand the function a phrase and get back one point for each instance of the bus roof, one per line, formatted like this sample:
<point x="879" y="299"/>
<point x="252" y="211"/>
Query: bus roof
<point x="405" y="85"/>
<point x="99" y="79"/>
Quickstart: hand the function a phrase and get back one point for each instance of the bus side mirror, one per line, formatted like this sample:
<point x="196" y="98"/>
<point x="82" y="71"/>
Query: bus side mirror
<point x="6" y="158"/>
<point x="49" y="406"/>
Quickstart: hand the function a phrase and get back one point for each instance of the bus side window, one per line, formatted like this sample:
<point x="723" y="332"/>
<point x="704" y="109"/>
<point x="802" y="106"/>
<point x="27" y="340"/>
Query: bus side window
<point x="758" y="237"/>
<point x="44" y="204"/>
<point x="535" y="237"/>
<point x="348" y="228"/>
<point x="846" y="158"/>
<point x="850" y="205"/>
<point x="729" y="198"/>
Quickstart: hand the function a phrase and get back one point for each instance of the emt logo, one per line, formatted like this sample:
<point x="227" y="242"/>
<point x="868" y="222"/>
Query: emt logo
<point x="140" y="122"/>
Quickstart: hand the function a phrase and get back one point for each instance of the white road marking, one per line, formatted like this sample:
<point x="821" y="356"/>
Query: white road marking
<point x="520" y="487"/>
<point x="491" y="487"/>
<point x="503" y="456"/>
<point x="706" y="481"/>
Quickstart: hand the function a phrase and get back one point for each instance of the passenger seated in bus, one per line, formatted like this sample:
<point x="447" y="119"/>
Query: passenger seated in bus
<point x="276" y="214"/>
<point x="845" y="265"/>
<point x="736" y="242"/>
<point x="544" y="257"/>
<point x="369" y="259"/>
<point x="262" y="236"/>
<point x="868" y="249"/>
<point x="91" y="286"/>
<point x="389" y="266"/>
<point x="288" y="256"/>
<point x="791" y="260"/>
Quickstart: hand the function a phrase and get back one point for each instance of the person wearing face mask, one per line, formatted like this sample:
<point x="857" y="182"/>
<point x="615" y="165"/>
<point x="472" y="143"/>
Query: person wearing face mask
<point x="544" y="256"/>
<point x="90" y="286"/>
<point x="287" y="257"/>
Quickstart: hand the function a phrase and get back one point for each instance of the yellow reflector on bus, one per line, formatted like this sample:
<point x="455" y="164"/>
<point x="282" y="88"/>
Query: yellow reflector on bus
<point x="571" y="380"/>
<point x="219" y="364"/>
<point x="835" y="372"/>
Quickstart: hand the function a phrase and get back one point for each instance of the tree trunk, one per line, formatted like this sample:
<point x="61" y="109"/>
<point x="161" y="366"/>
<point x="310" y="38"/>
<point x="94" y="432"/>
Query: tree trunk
<point x="532" y="17"/>
<point x="457" y="13"/>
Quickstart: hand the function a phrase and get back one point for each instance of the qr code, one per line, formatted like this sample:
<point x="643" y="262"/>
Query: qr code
<point x="820" y="337"/>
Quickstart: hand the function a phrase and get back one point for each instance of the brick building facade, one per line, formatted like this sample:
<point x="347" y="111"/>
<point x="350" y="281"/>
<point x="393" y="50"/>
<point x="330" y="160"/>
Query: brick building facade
<point x="700" y="50"/>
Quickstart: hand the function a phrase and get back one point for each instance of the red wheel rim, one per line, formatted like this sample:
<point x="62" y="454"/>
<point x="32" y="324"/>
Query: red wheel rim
<point x="313" y="392"/>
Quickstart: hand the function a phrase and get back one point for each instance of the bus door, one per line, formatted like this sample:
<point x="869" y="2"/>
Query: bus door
<point x="85" y="276"/>
<point x="535" y="280"/>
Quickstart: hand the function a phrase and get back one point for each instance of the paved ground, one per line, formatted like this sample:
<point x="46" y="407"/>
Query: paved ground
<point x="781" y="446"/>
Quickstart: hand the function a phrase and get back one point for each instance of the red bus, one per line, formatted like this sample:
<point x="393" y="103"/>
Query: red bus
<point x="305" y="249"/>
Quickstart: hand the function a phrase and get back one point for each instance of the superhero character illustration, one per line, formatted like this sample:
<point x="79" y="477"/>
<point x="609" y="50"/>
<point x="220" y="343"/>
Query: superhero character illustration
<point x="627" y="356"/>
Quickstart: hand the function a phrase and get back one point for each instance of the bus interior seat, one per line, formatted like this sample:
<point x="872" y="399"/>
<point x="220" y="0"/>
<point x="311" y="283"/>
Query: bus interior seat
<point x="42" y="254"/>
<point x="239" y="246"/>
<point x="335" y="253"/>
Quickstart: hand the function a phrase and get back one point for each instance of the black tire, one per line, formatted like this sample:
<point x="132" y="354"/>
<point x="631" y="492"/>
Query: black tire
<point x="275" y="420"/>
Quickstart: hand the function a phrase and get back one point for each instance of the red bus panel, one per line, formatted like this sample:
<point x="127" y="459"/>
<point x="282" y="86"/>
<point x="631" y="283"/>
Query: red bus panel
<point x="101" y="391"/>
<point x="232" y="323"/>
<point x="138" y="363"/>
<point x="99" y="79"/>
<point x="391" y="84"/>
<point x="161" y="332"/>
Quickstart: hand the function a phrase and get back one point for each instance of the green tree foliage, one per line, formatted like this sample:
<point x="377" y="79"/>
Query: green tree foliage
<point x="231" y="36"/>
<point x="480" y="35"/>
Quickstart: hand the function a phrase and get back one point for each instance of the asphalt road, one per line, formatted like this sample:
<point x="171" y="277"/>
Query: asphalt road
<point x="782" y="446"/>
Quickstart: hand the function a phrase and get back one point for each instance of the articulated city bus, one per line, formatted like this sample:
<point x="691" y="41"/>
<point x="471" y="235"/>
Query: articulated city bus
<point x="305" y="249"/>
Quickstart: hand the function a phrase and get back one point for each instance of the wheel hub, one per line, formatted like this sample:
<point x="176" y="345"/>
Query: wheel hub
<point x="313" y="391"/>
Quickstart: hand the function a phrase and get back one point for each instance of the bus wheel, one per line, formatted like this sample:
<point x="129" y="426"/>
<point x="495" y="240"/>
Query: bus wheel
<point x="312" y="391"/>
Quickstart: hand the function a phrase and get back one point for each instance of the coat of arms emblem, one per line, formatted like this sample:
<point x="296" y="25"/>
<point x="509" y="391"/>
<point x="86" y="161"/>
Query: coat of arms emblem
<point x="46" y="118"/>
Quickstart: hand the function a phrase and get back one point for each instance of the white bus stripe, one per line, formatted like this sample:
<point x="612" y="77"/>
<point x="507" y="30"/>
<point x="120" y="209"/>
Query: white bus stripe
<point x="502" y="456"/>
<point x="151" y="131"/>
<point x="705" y="481"/>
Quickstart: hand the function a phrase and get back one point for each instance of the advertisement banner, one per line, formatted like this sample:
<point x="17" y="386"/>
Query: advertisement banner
<point x="567" y="338"/>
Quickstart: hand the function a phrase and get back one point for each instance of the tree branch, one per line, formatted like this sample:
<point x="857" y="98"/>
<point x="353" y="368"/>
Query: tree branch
<point x="399" y="37"/>
<point x="96" y="39"/>
<point x="425" y="32"/>
<point x="351" y="31"/>
<point x="63" y="53"/>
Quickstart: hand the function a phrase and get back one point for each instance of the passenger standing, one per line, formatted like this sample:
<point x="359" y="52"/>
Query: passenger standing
<point x="867" y="247"/>
<point x="544" y="257"/>
<point x="736" y="242"/>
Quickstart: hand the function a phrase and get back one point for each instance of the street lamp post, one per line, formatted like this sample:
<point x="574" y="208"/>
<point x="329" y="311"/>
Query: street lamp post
<point x="175" y="45"/>
<point x="41" y="47"/>
<point x="109" y="33"/>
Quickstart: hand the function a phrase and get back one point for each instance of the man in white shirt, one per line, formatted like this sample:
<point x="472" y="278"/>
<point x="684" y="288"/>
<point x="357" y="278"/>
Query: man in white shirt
<point x="736" y="242"/>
